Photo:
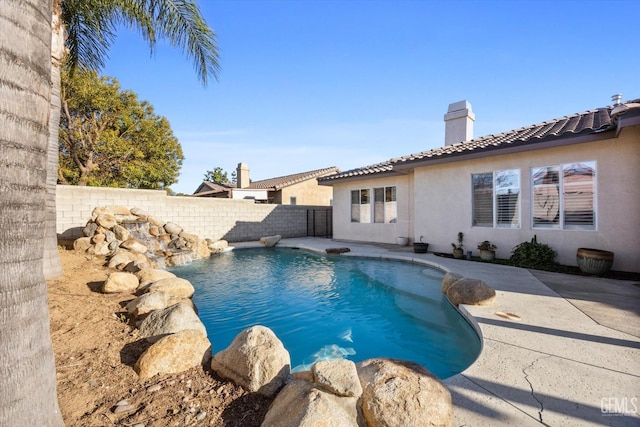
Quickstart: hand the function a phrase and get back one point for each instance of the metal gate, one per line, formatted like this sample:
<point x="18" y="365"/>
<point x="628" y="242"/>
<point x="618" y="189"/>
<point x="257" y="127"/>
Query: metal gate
<point x="320" y="223"/>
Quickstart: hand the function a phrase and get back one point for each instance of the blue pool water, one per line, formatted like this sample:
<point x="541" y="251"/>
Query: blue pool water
<point x="330" y="306"/>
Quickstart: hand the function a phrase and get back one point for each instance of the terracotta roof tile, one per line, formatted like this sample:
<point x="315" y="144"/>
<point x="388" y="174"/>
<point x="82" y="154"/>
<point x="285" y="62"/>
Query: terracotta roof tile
<point x="586" y="122"/>
<point x="591" y="121"/>
<point x="365" y="170"/>
<point x="285" y="181"/>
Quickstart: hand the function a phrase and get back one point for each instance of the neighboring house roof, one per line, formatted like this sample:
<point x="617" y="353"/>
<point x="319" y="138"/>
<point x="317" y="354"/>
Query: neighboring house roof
<point x="207" y="188"/>
<point x="587" y="123"/>
<point x="271" y="184"/>
<point x="287" y="180"/>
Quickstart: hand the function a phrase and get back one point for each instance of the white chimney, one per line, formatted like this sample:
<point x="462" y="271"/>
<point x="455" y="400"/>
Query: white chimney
<point x="242" y="177"/>
<point x="458" y="123"/>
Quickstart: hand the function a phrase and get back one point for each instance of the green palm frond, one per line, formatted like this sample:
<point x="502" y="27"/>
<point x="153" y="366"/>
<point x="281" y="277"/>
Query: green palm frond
<point x="91" y="27"/>
<point x="90" y="31"/>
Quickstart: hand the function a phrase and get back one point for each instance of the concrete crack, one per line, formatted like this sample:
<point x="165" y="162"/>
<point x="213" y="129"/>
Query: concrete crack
<point x="533" y="392"/>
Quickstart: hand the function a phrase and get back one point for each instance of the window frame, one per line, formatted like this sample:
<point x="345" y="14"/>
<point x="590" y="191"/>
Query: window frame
<point x="495" y="194"/>
<point x="562" y="192"/>
<point x="364" y="199"/>
<point x="383" y="209"/>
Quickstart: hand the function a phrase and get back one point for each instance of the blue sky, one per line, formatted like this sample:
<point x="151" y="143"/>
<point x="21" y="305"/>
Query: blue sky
<point x="309" y="84"/>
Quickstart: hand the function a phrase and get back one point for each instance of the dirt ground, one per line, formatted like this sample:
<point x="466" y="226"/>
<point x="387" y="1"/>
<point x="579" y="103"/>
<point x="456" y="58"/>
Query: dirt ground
<point x="95" y="349"/>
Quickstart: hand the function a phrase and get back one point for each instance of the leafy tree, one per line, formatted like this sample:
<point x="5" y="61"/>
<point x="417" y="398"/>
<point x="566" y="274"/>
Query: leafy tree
<point x="234" y="177"/>
<point x="218" y="175"/>
<point x="82" y="32"/>
<point x="109" y="138"/>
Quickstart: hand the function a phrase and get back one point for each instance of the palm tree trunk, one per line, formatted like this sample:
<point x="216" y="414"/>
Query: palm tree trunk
<point x="51" y="259"/>
<point x="27" y="370"/>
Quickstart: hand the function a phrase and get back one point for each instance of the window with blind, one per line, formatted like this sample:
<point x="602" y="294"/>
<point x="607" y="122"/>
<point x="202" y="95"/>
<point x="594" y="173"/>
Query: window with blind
<point x="496" y="199"/>
<point x="360" y="206"/>
<point x="385" y="209"/>
<point x="563" y="196"/>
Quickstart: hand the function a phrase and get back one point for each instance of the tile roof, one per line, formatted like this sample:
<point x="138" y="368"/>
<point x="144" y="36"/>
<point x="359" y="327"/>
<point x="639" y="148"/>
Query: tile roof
<point x="207" y="188"/>
<point x="273" y="184"/>
<point x="378" y="168"/>
<point x="587" y="122"/>
<point x="214" y="186"/>
<point x="285" y="181"/>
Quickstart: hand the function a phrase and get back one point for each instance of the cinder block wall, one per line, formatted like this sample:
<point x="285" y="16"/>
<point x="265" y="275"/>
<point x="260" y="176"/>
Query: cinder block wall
<point x="232" y="220"/>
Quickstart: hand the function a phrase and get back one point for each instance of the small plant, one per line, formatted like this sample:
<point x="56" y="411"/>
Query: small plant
<point x="460" y="239"/>
<point x="533" y="255"/>
<point x="487" y="246"/>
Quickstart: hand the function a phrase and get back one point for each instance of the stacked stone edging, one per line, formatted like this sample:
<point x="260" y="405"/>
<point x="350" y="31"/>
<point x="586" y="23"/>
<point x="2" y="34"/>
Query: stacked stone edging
<point x="135" y="240"/>
<point x="336" y="392"/>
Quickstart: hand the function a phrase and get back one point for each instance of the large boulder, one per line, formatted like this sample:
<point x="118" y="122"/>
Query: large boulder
<point x="401" y="393"/>
<point x="120" y="281"/>
<point x="106" y="220"/>
<point x="120" y="259"/>
<point x="470" y="291"/>
<point x="337" y="376"/>
<point x="176" y="318"/>
<point x="119" y="210"/>
<point x="134" y="245"/>
<point x="175" y="286"/>
<point x="174" y="353"/>
<point x="270" y="241"/>
<point x="100" y="249"/>
<point x="172" y="228"/>
<point x="189" y="237"/>
<point x="218" y="246"/>
<point x="97" y="238"/>
<point x="90" y="229"/>
<point x="121" y="233"/>
<point x="448" y="280"/>
<point x="155" y="221"/>
<point x="180" y="258"/>
<point x="151" y="275"/>
<point x="147" y="303"/>
<point x="82" y="244"/>
<point x="337" y="250"/>
<point x="256" y="360"/>
<point x="200" y="249"/>
<point x="138" y="212"/>
<point x="301" y="404"/>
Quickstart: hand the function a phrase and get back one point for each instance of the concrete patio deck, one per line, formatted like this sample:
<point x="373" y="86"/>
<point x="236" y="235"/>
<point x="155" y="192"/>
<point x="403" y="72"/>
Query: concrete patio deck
<point x="571" y="359"/>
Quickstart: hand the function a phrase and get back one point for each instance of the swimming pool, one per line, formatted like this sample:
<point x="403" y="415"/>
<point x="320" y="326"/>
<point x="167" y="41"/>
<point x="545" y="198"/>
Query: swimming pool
<point x="331" y="306"/>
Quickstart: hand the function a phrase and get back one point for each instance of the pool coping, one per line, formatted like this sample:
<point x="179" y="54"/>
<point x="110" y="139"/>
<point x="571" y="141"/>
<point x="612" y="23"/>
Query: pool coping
<point x="555" y="365"/>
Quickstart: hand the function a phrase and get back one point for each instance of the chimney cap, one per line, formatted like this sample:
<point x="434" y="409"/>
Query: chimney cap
<point x="460" y="105"/>
<point x="616" y="98"/>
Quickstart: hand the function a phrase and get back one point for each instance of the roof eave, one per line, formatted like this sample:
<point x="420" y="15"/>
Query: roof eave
<point x="361" y="177"/>
<point x="514" y="147"/>
<point x="631" y="118"/>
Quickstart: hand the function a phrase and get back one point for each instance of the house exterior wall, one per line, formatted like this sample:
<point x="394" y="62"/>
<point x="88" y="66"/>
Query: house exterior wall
<point x="232" y="220"/>
<point x="443" y="201"/>
<point x="307" y="193"/>
<point x="344" y="229"/>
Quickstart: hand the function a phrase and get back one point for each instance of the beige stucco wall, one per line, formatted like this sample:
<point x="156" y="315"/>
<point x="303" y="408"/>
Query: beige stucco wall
<point x="344" y="229"/>
<point x="307" y="193"/>
<point x="443" y="201"/>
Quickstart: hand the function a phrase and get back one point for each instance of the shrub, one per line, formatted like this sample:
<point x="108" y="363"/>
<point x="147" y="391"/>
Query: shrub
<point x="533" y="255"/>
